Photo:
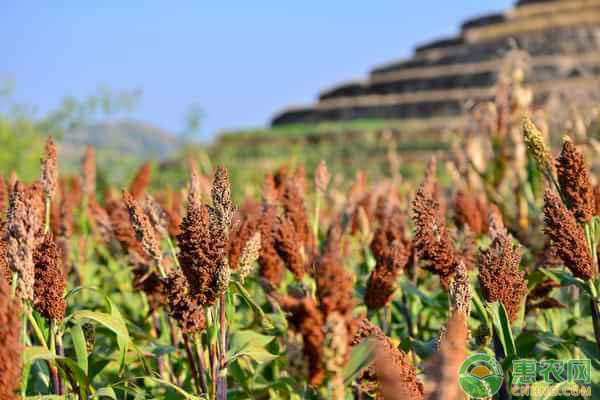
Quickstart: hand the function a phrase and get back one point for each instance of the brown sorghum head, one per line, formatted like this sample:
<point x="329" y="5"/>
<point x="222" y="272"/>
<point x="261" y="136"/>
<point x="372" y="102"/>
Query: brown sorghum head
<point x="596" y="194"/>
<point x="322" y="177"/>
<point x="10" y="343"/>
<point x="306" y="318"/>
<point x="158" y="217"/>
<point x="444" y="366"/>
<point x="121" y="227"/>
<point x="204" y="240"/>
<point x="279" y="179"/>
<point x="363" y="213"/>
<point x="568" y="237"/>
<point x="460" y="290"/>
<point x="5" y="270"/>
<point x="382" y="281"/>
<point x="574" y="181"/>
<point x="431" y="239"/>
<point x="147" y="280"/>
<point x="222" y="206"/>
<point x="89" y="172"/>
<point x="241" y="232"/>
<point x="469" y="211"/>
<point x="50" y="280"/>
<point x="539" y="297"/>
<point x="23" y="225"/>
<point x="184" y="307"/>
<point x="288" y="246"/>
<point x="294" y="210"/>
<point x="3" y="196"/>
<point x="50" y="169"/>
<point x="144" y="231"/>
<point x="99" y="221"/>
<point x="271" y="265"/>
<point x="197" y="257"/>
<point x="543" y="289"/>
<point x="391" y="230"/>
<point x="335" y="289"/>
<point x="249" y="255"/>
<point x="269" y="193"/>
<point x="500" y="276"/>
<point x="544" y="304"/>
<point x="396" y="377"/>
<point x="495" y="221"/>
<point x="141" y="180"/>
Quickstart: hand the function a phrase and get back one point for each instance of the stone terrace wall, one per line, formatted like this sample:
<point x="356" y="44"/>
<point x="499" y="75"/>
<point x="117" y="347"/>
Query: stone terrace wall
<point x="562" y="38"/>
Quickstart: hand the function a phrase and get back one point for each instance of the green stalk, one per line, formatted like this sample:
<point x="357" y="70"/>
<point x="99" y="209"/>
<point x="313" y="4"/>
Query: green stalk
<point x="591" y="241"/>
<point x="36" y="329"/>
<point x="172" y="249"/>
<point x="47" y="217"/>
<point x="201" y="366"/>
<point x="222" y="374"/>
<point x="317" y="212"/>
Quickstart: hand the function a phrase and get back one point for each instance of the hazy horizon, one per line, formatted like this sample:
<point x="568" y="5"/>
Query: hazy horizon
<point x="239" y="65"/>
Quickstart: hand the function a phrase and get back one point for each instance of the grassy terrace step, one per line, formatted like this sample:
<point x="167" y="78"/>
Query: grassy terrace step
<point x="348" y="146"/>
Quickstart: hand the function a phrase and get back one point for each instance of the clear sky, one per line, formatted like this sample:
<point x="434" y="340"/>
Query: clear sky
<point x="239" y="61"/>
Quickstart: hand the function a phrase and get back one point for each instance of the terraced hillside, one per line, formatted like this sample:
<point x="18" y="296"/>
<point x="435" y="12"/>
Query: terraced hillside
<point x="561" y="38"/>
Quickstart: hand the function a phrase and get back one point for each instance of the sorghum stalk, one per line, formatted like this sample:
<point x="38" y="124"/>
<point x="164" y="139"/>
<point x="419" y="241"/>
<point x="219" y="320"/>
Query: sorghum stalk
<point x="222" y="383"/>
<point x="201" y="366"/>
<point x="317" y="212"/>
<point x="53" y="369"/>
<point x="190" y="355"/>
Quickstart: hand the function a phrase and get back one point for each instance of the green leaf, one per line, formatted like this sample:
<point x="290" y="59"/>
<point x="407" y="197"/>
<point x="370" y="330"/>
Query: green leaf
<point x="481" y="308"/>
<point x="105" y="392"/>
<point x="33" y="353"/>
<point x="251" y="344"/>
<point x="113" y="321"/>
<point x="77" y="289"/>
<point x="565" y="279"/>
<point x="408" y="287"/>
<point x="179" y="390"/>
<point x="123" y="341"/>
<point x="503" y="329"/>
<point x="107" y="320"/>
<point x="360" y="358"/>
<point x="96" y="365"/>
<point x="259" y="315"/>
<point x="80" y="346"/>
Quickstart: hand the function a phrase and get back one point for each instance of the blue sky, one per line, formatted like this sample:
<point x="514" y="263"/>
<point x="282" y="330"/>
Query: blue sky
<point x="239" y="61"/>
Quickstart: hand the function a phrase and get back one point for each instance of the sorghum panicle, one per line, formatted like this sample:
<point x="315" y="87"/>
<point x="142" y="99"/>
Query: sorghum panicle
<point x="140" y="181"/>
<point x="396" y="377"/>
<point x="568" y="237"/>
<point x="50" y="281"/>
<point x="574" y="181"/>
<point x="501" y="277"/>
<point x="89" y="172"/>
<point x="50" y="169"/>
<point x="431" y="240"/>
<point x="10" y="344"/>
<point x="144" y="231"/>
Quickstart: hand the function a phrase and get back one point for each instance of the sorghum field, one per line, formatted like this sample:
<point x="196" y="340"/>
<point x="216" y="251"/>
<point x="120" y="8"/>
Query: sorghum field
<point x="309" y="286"/>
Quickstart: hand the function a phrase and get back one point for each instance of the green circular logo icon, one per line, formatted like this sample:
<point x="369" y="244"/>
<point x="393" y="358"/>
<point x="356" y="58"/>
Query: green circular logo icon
<point x="480" y="376"/>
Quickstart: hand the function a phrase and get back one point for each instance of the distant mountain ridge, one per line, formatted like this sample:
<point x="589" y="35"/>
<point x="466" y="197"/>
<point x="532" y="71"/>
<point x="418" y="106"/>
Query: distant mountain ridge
<point x="120" y="139"/>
